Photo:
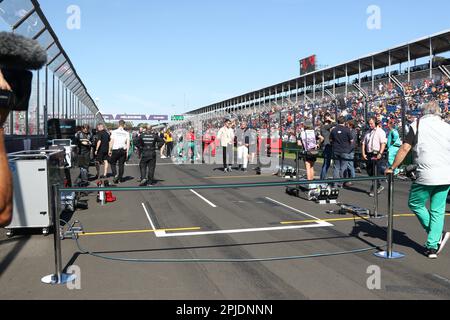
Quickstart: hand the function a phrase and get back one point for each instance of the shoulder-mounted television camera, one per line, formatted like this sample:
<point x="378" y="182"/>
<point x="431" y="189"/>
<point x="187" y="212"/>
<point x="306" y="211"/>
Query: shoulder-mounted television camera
<point x="20" y="82"/>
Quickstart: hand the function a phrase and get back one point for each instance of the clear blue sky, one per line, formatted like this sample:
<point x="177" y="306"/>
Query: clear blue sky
<point x="171" y="56"/>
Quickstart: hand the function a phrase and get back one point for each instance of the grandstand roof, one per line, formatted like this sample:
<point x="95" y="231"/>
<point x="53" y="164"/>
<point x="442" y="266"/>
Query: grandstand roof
<point x="417" y="49"/>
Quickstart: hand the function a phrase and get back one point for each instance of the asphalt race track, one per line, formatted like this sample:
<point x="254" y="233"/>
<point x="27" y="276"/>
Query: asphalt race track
<point x="228" y="224"/>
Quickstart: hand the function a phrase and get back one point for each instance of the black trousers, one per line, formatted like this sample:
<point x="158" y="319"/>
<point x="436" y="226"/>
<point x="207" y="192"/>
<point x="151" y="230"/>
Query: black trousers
<point x="118" y="156"/>
<point x="169" y="146"/>
<point x="373" y="165"/>
<point x="147" y="166"/>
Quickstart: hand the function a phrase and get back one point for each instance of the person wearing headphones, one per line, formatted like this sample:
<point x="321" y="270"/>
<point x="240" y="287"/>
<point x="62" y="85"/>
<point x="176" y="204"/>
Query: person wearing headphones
<point x="373" y="147"/>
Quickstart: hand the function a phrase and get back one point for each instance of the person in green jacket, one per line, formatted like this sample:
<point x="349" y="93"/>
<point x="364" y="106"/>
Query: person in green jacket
<point x="394" y="143"/>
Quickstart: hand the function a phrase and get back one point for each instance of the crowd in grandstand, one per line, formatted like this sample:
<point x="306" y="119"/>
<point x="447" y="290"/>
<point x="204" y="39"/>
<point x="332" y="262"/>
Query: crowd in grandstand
<point x="384" y="103"/>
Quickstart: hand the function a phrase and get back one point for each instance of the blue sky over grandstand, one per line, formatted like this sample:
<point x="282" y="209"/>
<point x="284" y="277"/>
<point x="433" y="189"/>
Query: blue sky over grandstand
<point x="172" y="56"/>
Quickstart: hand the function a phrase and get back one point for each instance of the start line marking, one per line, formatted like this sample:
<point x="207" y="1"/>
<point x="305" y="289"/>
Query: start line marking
<point x="317" y="223"/>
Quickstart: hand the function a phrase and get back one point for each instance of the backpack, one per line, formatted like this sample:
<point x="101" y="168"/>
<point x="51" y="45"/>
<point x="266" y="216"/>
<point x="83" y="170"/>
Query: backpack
<point x="309" y="143"/>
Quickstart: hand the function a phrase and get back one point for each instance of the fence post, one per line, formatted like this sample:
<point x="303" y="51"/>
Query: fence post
<point x="59" y="277"/>
<point x="389" y="253"/>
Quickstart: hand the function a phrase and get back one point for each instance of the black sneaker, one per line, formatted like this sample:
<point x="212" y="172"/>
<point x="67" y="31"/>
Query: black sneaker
<point x="116" y="180"/>
<point x="444" y="238"/>
<point x="431" y="253"/>
<point x="144" y="183"/>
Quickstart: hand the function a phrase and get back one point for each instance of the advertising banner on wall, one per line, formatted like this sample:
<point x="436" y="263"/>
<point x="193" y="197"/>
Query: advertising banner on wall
<point x="131" y="117"/>
<point x="158" y="118"/>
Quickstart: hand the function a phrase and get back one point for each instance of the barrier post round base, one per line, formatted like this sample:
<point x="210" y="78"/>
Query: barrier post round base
<point x="53" y="279"/>
<point x="393" y="255"/>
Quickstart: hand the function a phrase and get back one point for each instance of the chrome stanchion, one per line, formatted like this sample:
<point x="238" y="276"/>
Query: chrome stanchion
<point x="375" y="214"/>
<point x="59" y="277"/>
<point x="390" y="254"/>
<point x="375" y="186"/>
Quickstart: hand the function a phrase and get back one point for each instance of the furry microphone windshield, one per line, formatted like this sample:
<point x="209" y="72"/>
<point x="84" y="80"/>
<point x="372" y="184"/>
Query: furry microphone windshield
<point x="18" y="52"/>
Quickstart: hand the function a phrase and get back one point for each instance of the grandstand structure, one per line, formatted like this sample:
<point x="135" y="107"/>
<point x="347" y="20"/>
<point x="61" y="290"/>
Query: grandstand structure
<point x="425" y="58"/>
<point x="58" y="91"/>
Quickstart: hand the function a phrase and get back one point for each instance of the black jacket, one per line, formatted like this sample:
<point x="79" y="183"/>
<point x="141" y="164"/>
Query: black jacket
<point x="149" y="143"/>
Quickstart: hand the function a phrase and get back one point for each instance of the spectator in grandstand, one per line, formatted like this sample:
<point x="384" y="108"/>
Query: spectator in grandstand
<point x="225" y="137"/>
<point x="6" y="187"/>
<point x="341" y="141"/>
<point x="393" y="143"/>
<point x="373" y="147"/>
<point x="101" y="150"/>
<point x="119" y="146"/>
<point x="429" y="137"/>
<point x="243" y="144"/>
<point x="324" y="140"/>
<point x="308" y="140"/>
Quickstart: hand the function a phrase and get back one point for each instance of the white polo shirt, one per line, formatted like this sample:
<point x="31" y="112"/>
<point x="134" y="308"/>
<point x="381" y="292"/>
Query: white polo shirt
<point x="120" y="138"/>
<point x="225" y="136"/>
<point x="432" y="152"/>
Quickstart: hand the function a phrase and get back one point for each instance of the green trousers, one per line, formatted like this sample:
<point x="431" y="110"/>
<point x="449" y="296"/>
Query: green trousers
<point x="432" y="220"/>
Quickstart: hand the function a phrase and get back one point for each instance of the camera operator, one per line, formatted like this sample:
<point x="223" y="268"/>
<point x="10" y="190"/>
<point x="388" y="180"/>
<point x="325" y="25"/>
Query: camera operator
<point x="429" y="137"/>
<point x="6" y="188"/>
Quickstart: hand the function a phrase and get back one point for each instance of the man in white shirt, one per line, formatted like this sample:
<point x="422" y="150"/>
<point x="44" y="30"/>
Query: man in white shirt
<point x="430" y="140"/>
<point x="118" y="151"/>
<point x="225" y="136"/>
<point x="373" y="147"/>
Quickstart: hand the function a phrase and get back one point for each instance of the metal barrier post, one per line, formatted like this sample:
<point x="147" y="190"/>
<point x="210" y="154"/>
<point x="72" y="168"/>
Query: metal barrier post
<point x="59" y="277"/>
<point x="390" y="254"/>
<point x="375" y="186"/>
<point x="375" y="190"/>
